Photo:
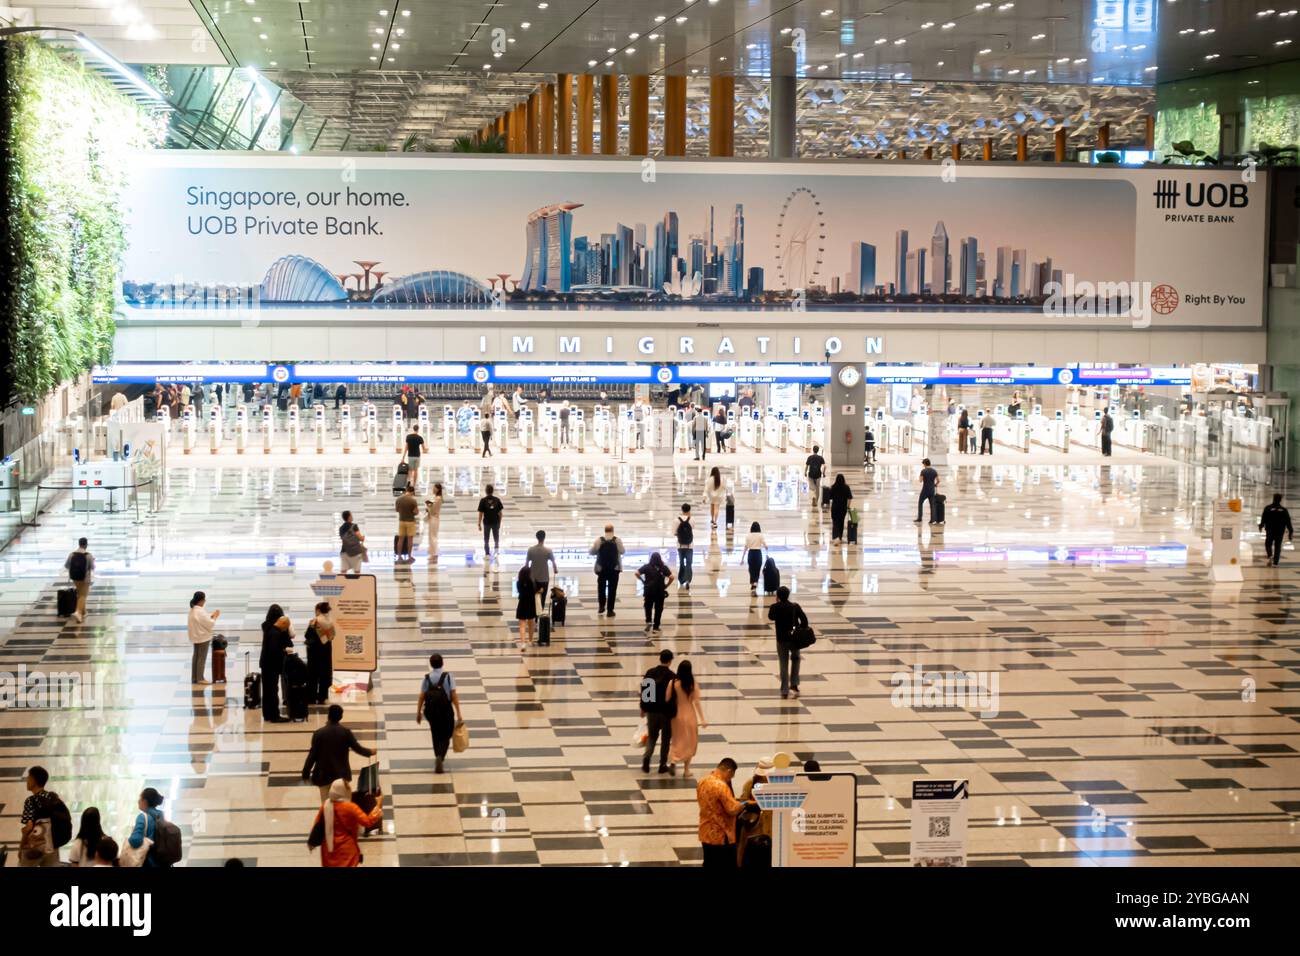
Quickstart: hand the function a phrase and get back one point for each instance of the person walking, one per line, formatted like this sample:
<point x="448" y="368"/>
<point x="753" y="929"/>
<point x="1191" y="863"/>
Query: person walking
<point x="485" y="428"/>
<point x="1274" y="520"/>
<point x="963" y="432"/>
<point x="526" y="608"/>
<point x="685" y="533"/>
<point x="868" y="446"/>
<point x="319" y="638"/>
<point x="277" y="643"/>
<point x="411" y="454"/>
<point x="718" y="811"/>
<point x="407" y="507"/>
<point x="608" y="549"/>
<point x="564" y="423"/>
<point x="327" y="760"/>
<point x="715" y="493"/>
<point x="352" y="549"/>
<point x="338" y="822"/>
<point x="340" y="396"/>
<point x="655" y="576"/>
<point x="987" y="424"/>
<point x="700" y="427"/>
<point x="841" y="494"/>
<point x="38" y="846"/>
<point x="438" y="700"/>
<point x="785" y="616"/>
<point x="687" y="719"/>
<point x="200" y="626"/>
<point x="755" y="545"/>
<point x="813" y="470"/>
<point x="81" y="572"/>
<point x="929" y="479"/>
<point x="657" y="710"/>
<point x="719" y="429"/>
<point x="489" y="520"/>
<point x="539" y="561"/>
<point x="1107" y="427"/>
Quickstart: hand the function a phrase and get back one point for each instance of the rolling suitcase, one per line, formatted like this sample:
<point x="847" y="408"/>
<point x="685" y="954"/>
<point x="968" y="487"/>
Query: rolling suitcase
<point x="771" y="576"/>
<point x="852" y="534"/>
<point x="544" y="631"/>
<point x="559" y="605"/>
<point x="400" y="480"/>
<point x="731" y="512"/>
<point x="826" y="496"/>
<point x="297" y="700"/>
<point x="937" y="509"/>
<point x="367" y="790"/>
<point x="67" y="601"/>
<point x="252" y="687"/>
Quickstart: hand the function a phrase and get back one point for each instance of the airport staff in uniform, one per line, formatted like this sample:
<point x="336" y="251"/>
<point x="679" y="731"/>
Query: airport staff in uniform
<point x="1273" y="522"/>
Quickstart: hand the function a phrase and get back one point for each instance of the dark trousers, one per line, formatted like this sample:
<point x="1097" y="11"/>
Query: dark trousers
<point x="440" y="742"/>
<point x="606" y="590"/>
<point x="755" y="565"/>
<point x="654" y="608"/>
<point x="986" y="440"/>
<point x="493" y="531"/>
<point x="487" y="444"/>
<point x="685" y="557"/>
<point x="1273" y="546"/>
<point x="720" y="855"/>
<point x="717" y="442"/>
<point x="270" y="695"/>
<point x="920" y="503"/>
<point x="1105" y="443"/>
<point x="837" y="522"/>
<point x="658" y="725"/>
<point x="320" y="671"/>
<point x="788" y="658"/>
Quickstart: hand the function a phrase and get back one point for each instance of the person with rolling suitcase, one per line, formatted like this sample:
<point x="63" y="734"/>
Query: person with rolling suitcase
<point x="202" y="623"/>
<point x="608" y="549"/>
<point x="327" y="760"/>
<point x="277" y="645"/>
<point x="81" y="570"/>
<point x="408" y="525"/>
<point x="414" y="448"/>
<point x="841" y="494"/>
<point x="715" y="494"/>
<point x="754" y="548"/>
<point x="929" y="479"/>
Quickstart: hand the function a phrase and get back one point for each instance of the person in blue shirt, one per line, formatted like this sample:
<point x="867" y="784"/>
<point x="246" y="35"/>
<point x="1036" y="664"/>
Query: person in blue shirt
<point x="438" y="700"/>
<point x="146" y="824"/>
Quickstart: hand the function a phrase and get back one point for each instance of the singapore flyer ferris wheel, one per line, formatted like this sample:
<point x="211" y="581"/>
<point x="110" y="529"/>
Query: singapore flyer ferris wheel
<point x="800" y="240"/>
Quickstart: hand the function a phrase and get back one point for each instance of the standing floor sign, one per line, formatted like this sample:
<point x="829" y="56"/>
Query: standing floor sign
<point x="823" y="831"/>
<point x="939" y="822"/>
<point x="1225" y="546"/>
<point x="354" y="601"/>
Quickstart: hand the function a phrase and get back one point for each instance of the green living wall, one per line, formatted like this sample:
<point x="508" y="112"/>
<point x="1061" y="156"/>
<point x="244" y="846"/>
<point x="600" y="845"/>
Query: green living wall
<point x="66" y="141"/>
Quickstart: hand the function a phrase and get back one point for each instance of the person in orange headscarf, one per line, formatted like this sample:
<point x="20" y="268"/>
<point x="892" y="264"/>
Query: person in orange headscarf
<point x="338" y="822"/>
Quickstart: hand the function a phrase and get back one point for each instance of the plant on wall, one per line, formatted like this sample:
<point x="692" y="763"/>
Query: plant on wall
<point x="66" y="140"/>
<point x="492" y="143"/>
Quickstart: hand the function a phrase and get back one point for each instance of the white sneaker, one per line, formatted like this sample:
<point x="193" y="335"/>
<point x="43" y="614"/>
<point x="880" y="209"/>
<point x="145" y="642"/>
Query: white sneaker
<point x="794" y="693"/>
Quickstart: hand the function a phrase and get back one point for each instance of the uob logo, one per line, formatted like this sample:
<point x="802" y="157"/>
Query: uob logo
<point x="1215" y="195"/>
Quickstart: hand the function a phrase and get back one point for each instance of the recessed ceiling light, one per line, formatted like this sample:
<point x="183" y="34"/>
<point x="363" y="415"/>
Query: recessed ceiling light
<point x="940" y="63"/>
<point x="1064" y="59"/>
<point x="525" y="25"/>
<point x="660" y="19"/>
<point x="262" y="36"/>
<point x="751" y="46"/>
<point x="398" y="46"/>
<point x="1212" y="56"/>
<point x="899" y="76"/>
<point x="858" y="56"/>
<point x="1038" y="36"/>
<point x="486" y="66"/>
<point x="633" y="36"/>
<point x="822" y="67"/>
<point x="948" y="26"/>
<point x="881" y="40"/>
<point x="1183" y="33"/>
<point x="1205" y="32"/>
<point x="374" y="46"/>
<point x="722" y="59"/>
<point x="1012" y="72"/>
<point x="1289" y="13"/>
<point x="1081" y="59"/>
<point x="982" y="6"/>
<point x="827" y="12"/>
<point x="406" y="13"/>
<point x="542" y="6"/>
<point x="927" y="24"/>
<point x="257" y="19"/>
<point x="391" y="60"/>
<point x="681" y="19"/>
<point x="383" y="13"/>
<point x="379" y="31"/>
<point x="1140" y="46"/>
<point x="631" y="50"/>
<point x="653" y="36"/>
<point x="841" y="55"/>
<point x="1281" y="42"/>
<point x="900" y="41"/>
<point x="612" y="49"/>
<point x="1098" y="79"/>
<point x="1120" y="46"/>
<point x="374" y="59"/>
<point x="1150" y="69"/>
<point x="1030" y="72"/>
<point x="274" y="63"/>
<point x="591" y="63"/>
<point x="1265" y="13"/>
<point x="1005" y="6"/>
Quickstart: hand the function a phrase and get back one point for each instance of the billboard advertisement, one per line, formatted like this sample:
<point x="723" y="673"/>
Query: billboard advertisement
<point x="338" y="238"/>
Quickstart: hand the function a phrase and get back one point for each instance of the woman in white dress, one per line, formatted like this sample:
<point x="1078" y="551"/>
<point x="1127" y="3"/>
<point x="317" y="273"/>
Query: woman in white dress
<point x="715" y="493"/>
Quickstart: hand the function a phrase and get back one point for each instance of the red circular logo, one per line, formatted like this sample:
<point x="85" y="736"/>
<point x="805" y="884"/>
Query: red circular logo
<point x="1164" y="299"/>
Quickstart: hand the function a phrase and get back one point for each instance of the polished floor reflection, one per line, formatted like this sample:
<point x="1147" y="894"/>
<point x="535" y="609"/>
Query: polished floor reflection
<point x="1144" y="716"/>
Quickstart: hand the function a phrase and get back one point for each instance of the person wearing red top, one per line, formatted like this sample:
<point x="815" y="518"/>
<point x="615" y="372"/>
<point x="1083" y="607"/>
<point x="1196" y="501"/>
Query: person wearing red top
<point x="718" y="811"/>
<point x="341" y="821"/>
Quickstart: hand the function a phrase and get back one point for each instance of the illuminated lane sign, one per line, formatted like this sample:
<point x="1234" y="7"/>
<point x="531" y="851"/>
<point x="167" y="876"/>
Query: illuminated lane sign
<point x="1023" y="375"/>
<point x="136" y="373"/>
<point x="755" y="374"/>
<point x="397" y="372"/>
<point x="577" y="372"/>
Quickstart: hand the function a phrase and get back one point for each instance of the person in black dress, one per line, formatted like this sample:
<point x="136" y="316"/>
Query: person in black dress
<point x="526" y="611"/>
<point x="277" y="641"/>
<point x="841" y="495"/>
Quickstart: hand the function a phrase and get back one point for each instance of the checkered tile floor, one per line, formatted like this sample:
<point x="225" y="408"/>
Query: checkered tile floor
<point x="1144" y="716"/>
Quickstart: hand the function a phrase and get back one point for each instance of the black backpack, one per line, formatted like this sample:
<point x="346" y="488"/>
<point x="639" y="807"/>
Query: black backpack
<point x="607" y="555"/>
<point x="685" y="533"/>
<point x="77" y="566"/>
<point x="437" y="705"/>
<point x="60" y="820"/>
<point x="166" y="847"/>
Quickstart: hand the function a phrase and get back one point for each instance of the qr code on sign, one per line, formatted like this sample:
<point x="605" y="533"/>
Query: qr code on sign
<point x="940" y="827"/>
<point x="353" y="644"/>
